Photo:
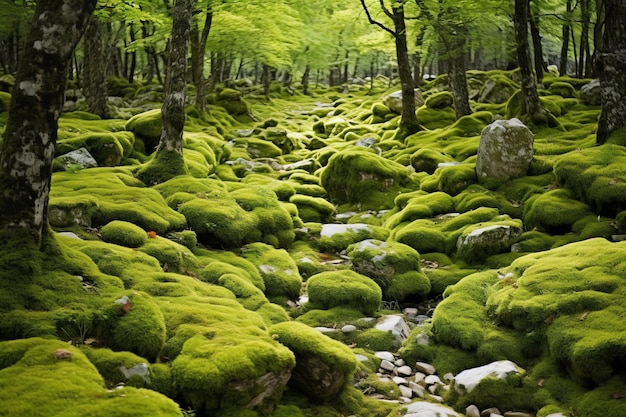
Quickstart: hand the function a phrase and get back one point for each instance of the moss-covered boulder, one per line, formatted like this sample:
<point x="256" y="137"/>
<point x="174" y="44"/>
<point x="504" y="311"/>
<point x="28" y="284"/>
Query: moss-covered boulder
<point x="324" y="367"/>
<point x="343" y="289"/>
<point x="395" y="267"/>
<point x="479" y="241"/>
<point x="108" y="149"/>
<point x="335" y="238"/>
<point x="232" y="101"/>
<point x="497" y="89"/>
<point x="555" y="211"/>
<point x="124" y="234"/>
<point x="147" y="126"/>
<point x="43" y="377"/>
<point x="597" y="176"/>
<point x="393" y="101"/>
<point x="361" y="177"/>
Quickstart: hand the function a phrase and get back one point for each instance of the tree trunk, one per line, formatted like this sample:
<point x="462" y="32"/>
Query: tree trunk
<point x="198" y="48"/>
<point x="31" y="131"/>
<point x="612" y="69"/>
<point x="305" y="80"/>
<point x="540" y="66"/>
<point x="565" y="46"/>
<point x="584" y="64"/>
<point x="168" y="161"/>
<point x="408" y="120"/>
<point x="531" y="105"/>
<point x="94" y="86"/>
<point x="597" y="36"/>
<point x="456" y="72"/>
<point x="267" y="80"/>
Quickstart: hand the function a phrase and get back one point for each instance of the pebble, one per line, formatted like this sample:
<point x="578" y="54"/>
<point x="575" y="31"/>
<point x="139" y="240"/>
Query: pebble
<point x="399" y="362"/>
<point x="417" y="389"/>
<point x="448" y="377"/>
<point x="404" y="370"/>
<point x="400" y="381"/>
<point x="387" y="366"/>
<point x="472" y="411"/>
<point x="422" y="339"/>
<point x="405" y="391"/>
<point x="419" y="377"/>
<point x="433" y="380"/>
<point x="387" y="356"/>
<point x="424" y="367"/>
<point x="348" y="328"/>
<point x="489" y="411"/>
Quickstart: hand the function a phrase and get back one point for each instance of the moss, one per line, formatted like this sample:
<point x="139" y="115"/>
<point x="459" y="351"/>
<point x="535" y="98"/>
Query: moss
<point x="187" y="238"/>
<point x="476" y="196"/>
<point x="108" y="149"/>
<point x="124" y="234"/>
<point x="377" y="340"/>
<point x="422" y="235"/>
<point x="428" y="159"/>
<point x="361" y="177"/>
<point x="439" y="100"/>
<point x="596" y="176"/>
<point x="335" y="238"/>
<point x="344" y="288"/>
<point x="279" y="271"/>
<point x="147" y="126"/>
<point x="220" y="263"/>
<point x="606" y="400"/>
<point x="142" y="329"/>
<point x="313" y="348"/>
<point x="313" y="209"/>
<point x="563" y="89"/>
<point x="109" y="363"/>
<point x="334" y="317"/>
<point x="30" y="386"/>
<point x="432" y="118"/>
<point x="451" y="179"/>
<point x="232" y="101"/>
<point x="165" y="165"/>
<point x="418" y="205"/>
<point x="395" y="267"/>
<point x="554" y="211"/>
<point x="172" y="256"/>
<point x="100" y="195"/>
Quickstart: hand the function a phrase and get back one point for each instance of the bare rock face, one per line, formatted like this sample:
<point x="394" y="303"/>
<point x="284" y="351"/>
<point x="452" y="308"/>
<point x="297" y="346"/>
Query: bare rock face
<point x="505" y="150"/>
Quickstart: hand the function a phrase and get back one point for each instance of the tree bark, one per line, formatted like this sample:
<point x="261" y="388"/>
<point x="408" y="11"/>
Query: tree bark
<point x="540" y="66"/>
<point x="531" y="105"/>
<point x="198" y="48"/>
<point x="305" y="80"/>
<point x="584" y="64"/>
<point x="408" y="121"/>
<point x="31" y="132"/>
<point x="565" y="46"/>
<point x="94" y="86"/>
<point x="168" y="161"/>
<point x="612" y="69"/>
<point x="456" y="72"/>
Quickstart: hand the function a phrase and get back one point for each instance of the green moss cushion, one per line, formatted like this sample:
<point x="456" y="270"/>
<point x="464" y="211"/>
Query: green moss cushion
<point x="124" y="234"/>
<point x="323" y="366"/>
<point x="344" y="288"/>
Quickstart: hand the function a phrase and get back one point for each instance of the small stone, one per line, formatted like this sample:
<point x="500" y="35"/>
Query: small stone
<point x="348" y="328"/>
<point x="448" y="377"/>
<point x="433" y="388"/>
<point x="410" y="312"/>
<point x="405" y="391"/>
<point x="424" y="367"/>
<point x="423" y="408"/>
<point x="404" y="370"/>
<point x="433" y="380"/>
<point x="399" y="380"/>
<point x="422" y="339"/>
<point x="62" y="354"/>
<point x="489" y="411"/>
<point x="556" y="415"/>
<point x="417" y="389"/>
<point x="387" y="366"/>
<point x="399" y="362"/>
<point x="419" y="377"/>
<point x="384" y="379"/>
<point x="437" y="398"/>
<point x="325" y="329"/>
<point x="472" y="411"/>
<point x="388" y="356"/>
<point x="361" y="358"/>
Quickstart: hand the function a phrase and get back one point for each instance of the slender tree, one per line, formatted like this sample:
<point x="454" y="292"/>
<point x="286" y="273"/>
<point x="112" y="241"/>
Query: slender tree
<point x="408" y="120"/>
<point x="531" y="105"/>
<point x="612" y="69"/>
<point x="94" y="69"/>
<point x="565" y="36"/>
<point x="199" y="40"/>
<point x="168" y="161"/>
<point x="31" y="131"/>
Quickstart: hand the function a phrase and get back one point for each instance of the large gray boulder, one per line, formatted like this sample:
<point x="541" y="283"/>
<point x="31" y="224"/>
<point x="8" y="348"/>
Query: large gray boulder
<point x="79" y="158"/>
<point x="394" y="100"/>
<point x="469" y="379"/>
<point x="505" y="150"/>
<point x="590" y="93"/>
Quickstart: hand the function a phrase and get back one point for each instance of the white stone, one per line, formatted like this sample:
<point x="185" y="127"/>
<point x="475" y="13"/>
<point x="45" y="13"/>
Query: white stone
<point x="396" y="325"/>
<point x="426" y="409"/>
<point x="399" y="362"/>
<point x="361" y="358"/>
<point x="422" y="339"/>
<point x="325" y="329"/>
<point x="424" y="367"/>
<point x="472" y="411"/>
<point x="405" y="391"/>
<point x="433" y="380"/>
<point x="348" y="328"/>
<point x="398" y="380"/>
<point x="417" y="389"/>
<point x="419" y="377"/>
<point x="387" y="366"/>
<point x="329" y="230"/>
<point x="404" y="370"/>
<point x="80" y="156"/>
<point x="388" y="356"/>
<point x="468" y="379"/>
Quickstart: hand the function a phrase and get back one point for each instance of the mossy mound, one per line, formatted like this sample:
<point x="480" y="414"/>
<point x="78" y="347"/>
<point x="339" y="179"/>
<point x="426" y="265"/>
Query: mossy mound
<point x="554" y="211"/>
<point x="98" y="196"/>
<point x="232" y="101"/>
<point x="596" y="176"/>
<point x="428" y="159"/>
<point x="344" y="289"/>
<point x="30" y="385"/>
<point x="451" y="179"/>
<point x="417" y="205"/>
<point x="108" y="149"/>
<point x="224" y="218"/>
<point x="395" y="267"/>
<point x="279" y="271"/>
<point x="123" y="233"/>
<point x="323" y="366"/>
<point x="363" y="178"/>
<point x="313" y="209"/>
<point x="497" y="89"/>
<point x="147" y="126"/>
<point x="573" y="295"/>
<point x="334" y="238"/>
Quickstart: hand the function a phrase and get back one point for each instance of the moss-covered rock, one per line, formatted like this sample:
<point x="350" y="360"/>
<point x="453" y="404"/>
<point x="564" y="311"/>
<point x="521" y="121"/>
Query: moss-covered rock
<point x="232" y="101"/>
<point x="554" y="211"/>
<point x="395" y="267"/>
<point x="344" y="288"/>
<point x="123" y="233"/>
<point x="147" y="126"/>
<point x="335" y="238"/>
<point x="363" y="178"/>
<point x="323" y="366"/>
<point x="108" y="149"/>
<point x="29" y="385"/>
